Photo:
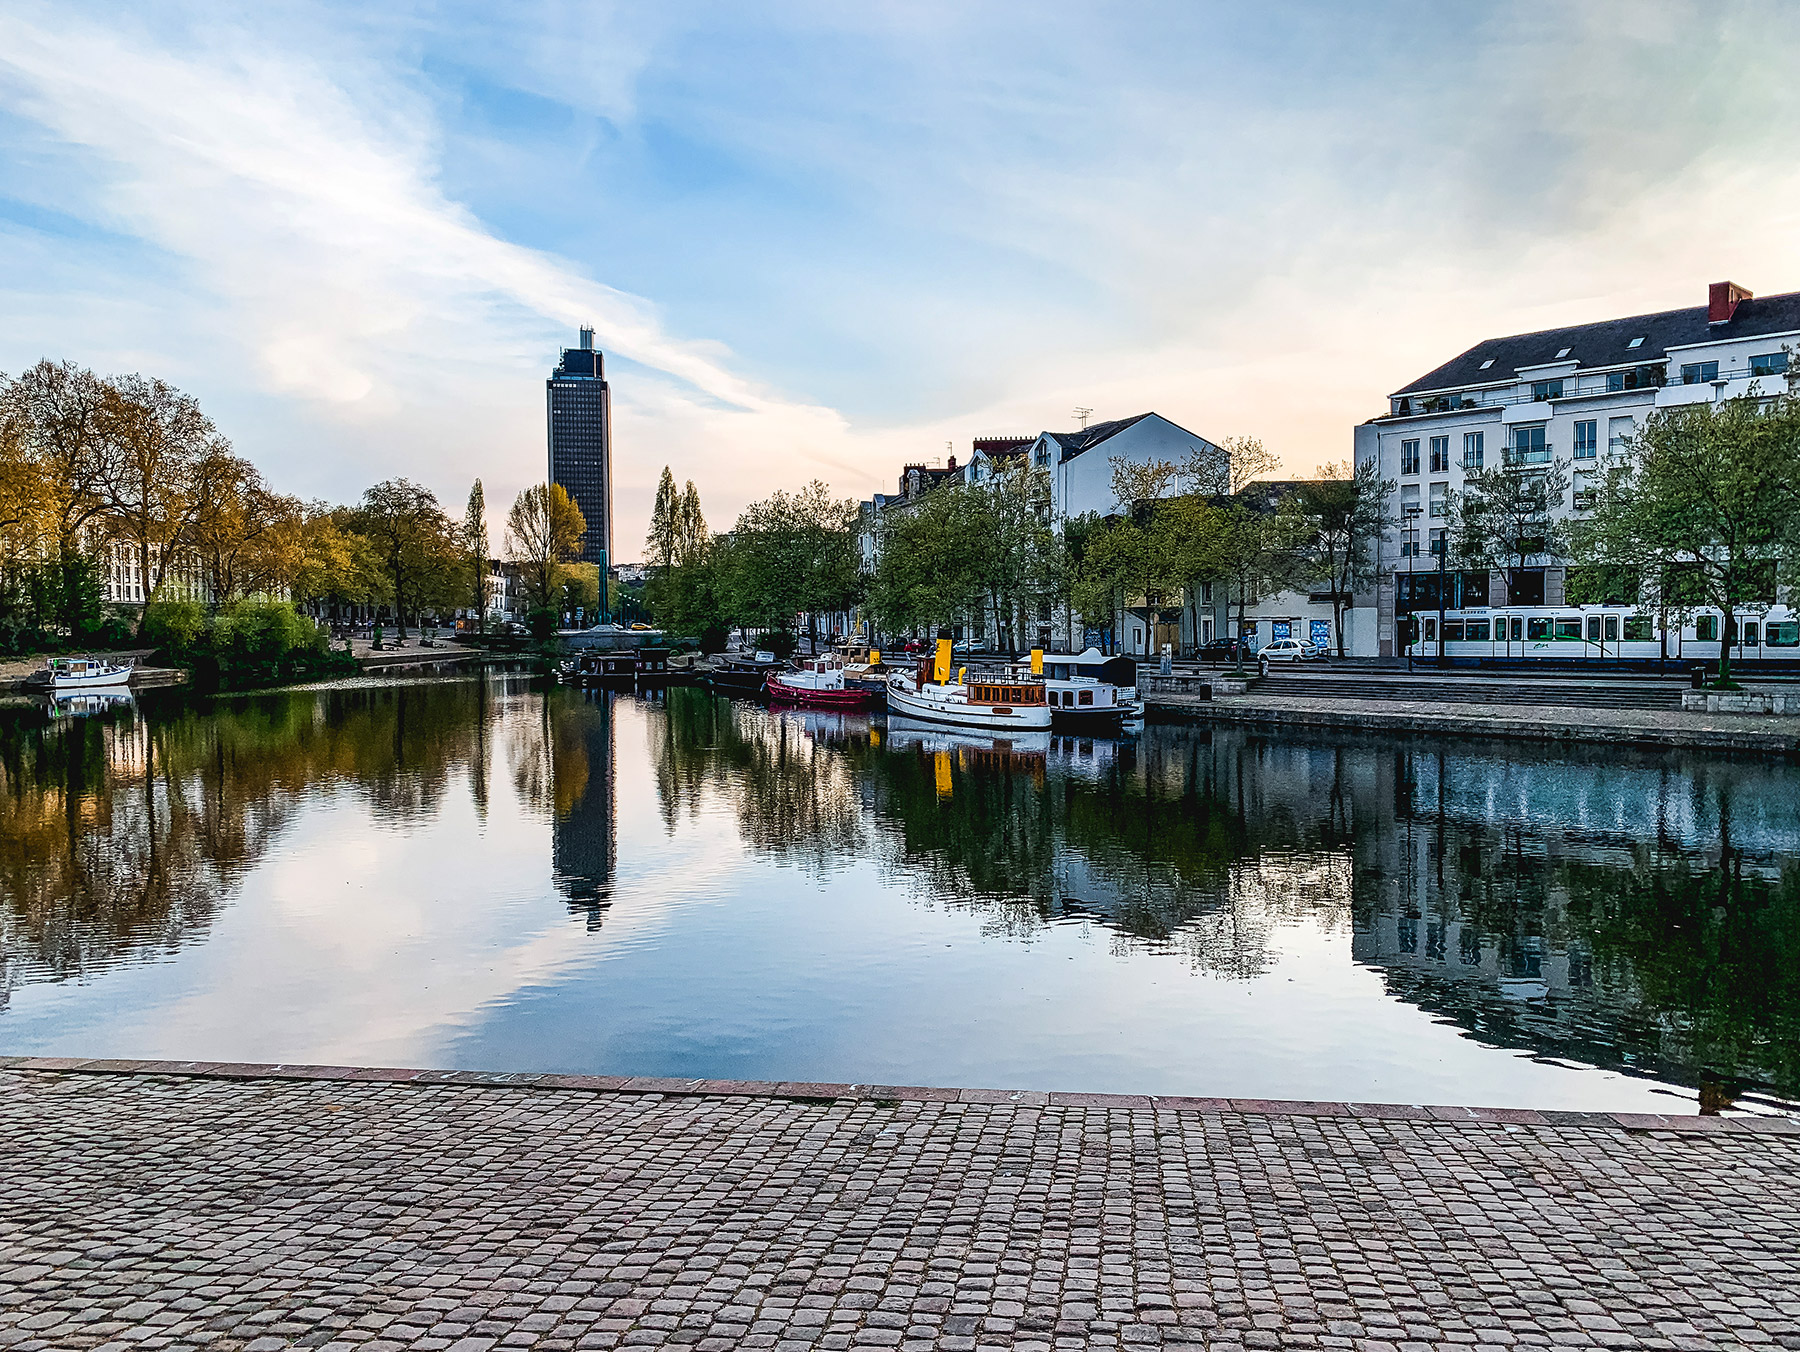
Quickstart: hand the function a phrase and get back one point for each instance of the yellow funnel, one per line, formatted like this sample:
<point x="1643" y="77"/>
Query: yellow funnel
<point x="940" y="669"/>
<point x="874" y="657"/>
<point x="1037" y="661"/>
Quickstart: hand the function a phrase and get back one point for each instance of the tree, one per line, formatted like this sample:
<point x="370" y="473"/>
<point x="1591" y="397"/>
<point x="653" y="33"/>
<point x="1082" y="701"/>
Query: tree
<point x="1262" y="548"/>
<point x="661" y="543"/>
<point x="690" y="533"/>
<point x="156" y="439"/>
<point x="543" y="531"/>
<point x="1507" y="514"/>
<point x="1020" y="557"/>
<point x="1345" y="510"/>
<point x="1711" y="491"/>
<point x="412" y="535"/>
<point x="246" y="537"/>
<point x="54" y="411"/>
<point x="475" y="547"/>
<point x="338" y="563"/>
<point x="1228" y="468"/>
<point x="1135" y="482"/>
<point x="794" y="553"/>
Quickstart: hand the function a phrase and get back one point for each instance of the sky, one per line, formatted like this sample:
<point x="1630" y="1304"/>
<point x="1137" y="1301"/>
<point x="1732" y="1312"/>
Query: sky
<point x="825" y="240"/>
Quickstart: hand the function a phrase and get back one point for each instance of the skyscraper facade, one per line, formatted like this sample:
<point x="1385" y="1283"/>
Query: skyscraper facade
<point x="578" y="406"/>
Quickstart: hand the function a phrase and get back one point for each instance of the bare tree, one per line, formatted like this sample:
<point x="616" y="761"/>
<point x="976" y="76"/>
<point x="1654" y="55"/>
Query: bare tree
<point x="1228" y="468"/>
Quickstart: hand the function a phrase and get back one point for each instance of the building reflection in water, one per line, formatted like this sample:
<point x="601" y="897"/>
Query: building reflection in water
<point x="584" y="776"/>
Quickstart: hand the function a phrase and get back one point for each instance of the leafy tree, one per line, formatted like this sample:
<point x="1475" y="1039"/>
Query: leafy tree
<point x="543" y="531"/>
<point x="339" y="565"/>
<point x="1507" y="514"/>
<point x="246" y="537"/>
<point x="793" y="553"/>
<point x="475" y="545"/>
<point x="1228" y="468"/>
<point x="1262" y="549"/>
<point x="1711" y="491"/>
<point x="931" y="564"/>
<point x="412" y="536"/>
<point x="156" y="439"/>
<point x="1345" y="511"/>
<point x="665" y="524"/>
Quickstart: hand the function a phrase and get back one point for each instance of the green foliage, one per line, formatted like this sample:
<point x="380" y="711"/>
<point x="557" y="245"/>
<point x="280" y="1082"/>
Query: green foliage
<point x="791" y="552"/>
<point x="247" y="644"/>
<point x="1346" y="513"/>
<point x="174" y="625"/>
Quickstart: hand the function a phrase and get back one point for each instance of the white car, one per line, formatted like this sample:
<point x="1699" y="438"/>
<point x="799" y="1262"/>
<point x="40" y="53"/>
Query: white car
<point x="1290" y="650"/>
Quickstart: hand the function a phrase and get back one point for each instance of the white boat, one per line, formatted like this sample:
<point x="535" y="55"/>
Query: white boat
<point x="77" y="704"/>
<point x="995" y="704"/>
<point x="1110" y="682"/>
<point x="906" y="734"/>
<point x="87" y="673"/>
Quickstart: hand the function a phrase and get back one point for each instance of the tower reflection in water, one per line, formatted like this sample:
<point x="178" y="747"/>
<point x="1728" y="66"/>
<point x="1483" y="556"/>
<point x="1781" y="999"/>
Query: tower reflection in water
<point x="584" y="775"/>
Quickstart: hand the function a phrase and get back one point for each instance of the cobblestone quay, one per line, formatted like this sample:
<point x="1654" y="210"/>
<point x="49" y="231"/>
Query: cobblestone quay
<point x="232" y="1209"/>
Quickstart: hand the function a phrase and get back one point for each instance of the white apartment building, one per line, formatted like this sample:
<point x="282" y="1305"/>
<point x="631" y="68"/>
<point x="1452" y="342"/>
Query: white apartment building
<point x="1561" y="395"/>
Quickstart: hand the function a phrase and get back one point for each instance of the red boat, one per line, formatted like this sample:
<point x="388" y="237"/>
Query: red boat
<point x="817" y="684"/>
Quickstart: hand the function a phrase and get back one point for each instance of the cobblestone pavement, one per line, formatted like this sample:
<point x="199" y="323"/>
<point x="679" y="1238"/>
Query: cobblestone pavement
<point x="153" y="1211"/>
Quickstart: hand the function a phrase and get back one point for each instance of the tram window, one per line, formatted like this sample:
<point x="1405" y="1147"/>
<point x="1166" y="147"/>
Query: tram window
<point x="1706" y="629"/>
<point x="1750" y="634"/>
<point x="1453" y="631"/>
<point x="1784" y="635"/>
<point x="1593" y="628"/>
<point x="1568" y="626"/>
<point x="1638" y="630"/>
<point x="1476" y="631"/>
<point x="1431" y="631"/>
<point x="1612" y="628"/>
<point x="1536" y="628"/>
<point x="1517" y="624"/>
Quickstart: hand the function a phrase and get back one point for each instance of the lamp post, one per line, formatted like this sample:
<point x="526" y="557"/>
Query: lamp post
<point x="1441" y="546"/>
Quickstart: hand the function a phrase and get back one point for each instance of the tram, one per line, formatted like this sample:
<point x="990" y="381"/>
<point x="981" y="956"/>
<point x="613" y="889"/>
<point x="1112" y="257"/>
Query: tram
<point x="1596" y="636"/>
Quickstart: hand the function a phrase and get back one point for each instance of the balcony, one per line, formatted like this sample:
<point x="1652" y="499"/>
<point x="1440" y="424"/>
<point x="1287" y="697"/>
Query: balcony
<point x="1529" y="455"/>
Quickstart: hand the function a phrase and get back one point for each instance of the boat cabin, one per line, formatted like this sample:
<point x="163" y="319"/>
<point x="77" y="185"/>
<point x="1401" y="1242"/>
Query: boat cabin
<point x="987" y="691"/>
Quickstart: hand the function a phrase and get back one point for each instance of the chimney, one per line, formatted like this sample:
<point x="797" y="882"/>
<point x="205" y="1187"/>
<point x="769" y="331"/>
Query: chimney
<point x="587" y="338"/>
<point x="1722" y="299"/>
<point x="953" y="462"/>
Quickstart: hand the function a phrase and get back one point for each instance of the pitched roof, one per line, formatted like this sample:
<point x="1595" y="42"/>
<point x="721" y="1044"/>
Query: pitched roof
<point x="1072" y="444"/>
<point x="1605" y="343"/>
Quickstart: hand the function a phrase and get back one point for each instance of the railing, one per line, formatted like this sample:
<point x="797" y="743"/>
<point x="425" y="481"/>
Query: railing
<point x="1577" y="387"/>
<point x="1529" y="455"/>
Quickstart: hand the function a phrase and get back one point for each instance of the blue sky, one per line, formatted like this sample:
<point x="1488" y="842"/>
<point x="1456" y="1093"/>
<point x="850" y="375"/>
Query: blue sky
<point x="823" y="240"/>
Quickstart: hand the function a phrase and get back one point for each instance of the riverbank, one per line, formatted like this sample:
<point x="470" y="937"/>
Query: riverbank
<point x="241" y="1211"/>
<point x="1660" y="729"/>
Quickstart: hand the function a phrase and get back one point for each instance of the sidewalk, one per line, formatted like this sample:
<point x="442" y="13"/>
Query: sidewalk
<point x="464" y="1213"/>
<point x="1656" y="728"/>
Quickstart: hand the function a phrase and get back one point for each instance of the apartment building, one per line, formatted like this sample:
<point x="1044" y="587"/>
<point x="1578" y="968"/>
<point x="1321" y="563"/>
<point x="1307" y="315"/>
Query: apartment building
<point x="1567" y="396"/>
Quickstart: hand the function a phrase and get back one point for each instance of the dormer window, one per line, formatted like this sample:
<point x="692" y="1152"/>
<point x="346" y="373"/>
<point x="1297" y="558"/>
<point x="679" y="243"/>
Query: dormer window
<point x="1563" y="353"/>
<point x="1489" y="362"/>
<point x="1635" y="342"/>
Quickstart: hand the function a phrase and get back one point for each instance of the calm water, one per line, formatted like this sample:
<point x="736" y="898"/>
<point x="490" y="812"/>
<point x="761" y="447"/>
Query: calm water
<point x="486" y="874"/>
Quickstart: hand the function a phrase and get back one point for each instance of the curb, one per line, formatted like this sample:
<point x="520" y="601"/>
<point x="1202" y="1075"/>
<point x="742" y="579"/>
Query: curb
<point x="827" y="1092"/>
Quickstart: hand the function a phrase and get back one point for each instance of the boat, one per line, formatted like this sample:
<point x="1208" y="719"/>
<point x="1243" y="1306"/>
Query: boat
<point x="863" y="667"/>
<point x="995" y="703"/>
<point x="908" y="734"/>
<point x="87" y="673"/>
<point x="817" y="683"/>
<point x="85" y="704"/>
<point x="652" y="667"/>
<point x="739" y="674"/>
<point x="599" y="667"/>
<point x="1069" y="674"/>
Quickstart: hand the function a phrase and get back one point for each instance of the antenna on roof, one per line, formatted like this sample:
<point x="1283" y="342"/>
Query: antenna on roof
<point x="1082" y="415"/>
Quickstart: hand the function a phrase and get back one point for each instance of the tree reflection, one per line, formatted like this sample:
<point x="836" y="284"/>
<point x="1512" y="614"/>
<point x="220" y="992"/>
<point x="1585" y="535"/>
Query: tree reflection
<point x="121" y="836"/>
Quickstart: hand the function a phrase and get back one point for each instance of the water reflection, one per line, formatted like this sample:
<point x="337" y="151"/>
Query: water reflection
<point x="1633" y="912"/>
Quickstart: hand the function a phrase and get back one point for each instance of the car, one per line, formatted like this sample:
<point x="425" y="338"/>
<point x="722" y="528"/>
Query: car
<point x="1222" y="650"/>
<point x="1290" y="650"/>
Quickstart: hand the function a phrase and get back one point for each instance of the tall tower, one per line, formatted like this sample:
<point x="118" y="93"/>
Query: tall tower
<point x="578" y="406"/>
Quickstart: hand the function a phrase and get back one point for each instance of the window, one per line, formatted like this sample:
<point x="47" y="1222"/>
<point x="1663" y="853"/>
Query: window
<point x="1564" y="352"/>
<point x="1785" y="634"/>
<point x="1439" y="540"/>
<point x="1440" y="455"/>
<point x="1635" y="342"/>
<point x="1042" y="457"/>
<point x="1699" y="372"/>
<point x="1618" y="434"/>
<point x="1086" y="697"/>
<point x="1593" y="628"/>
<point x="1612" y="629"/>
<point x="1529" y="446"/>
<point x="1440" y="499"/>
<point x="1431" y="629"/>
<point x="1453" y="631"/>
<point x="1585" y="496"/>
<point x="1545" y="389"/>
<point x="1409" y="501"/>
<point x="1749" y="639"/>
<point x="1585" y="435"/>
<point x="1771" y="364"/>
<point x="1409" y="457"/>
<point x="1568" y="626"/>
<point x="1706" y="629"/>
<point x="1472" y="449"/>
<point x="1536" y="627"/>
<point x="1516" y="623"/>
<point x="1476" y="631"/>
<point x="1638" y="629"/>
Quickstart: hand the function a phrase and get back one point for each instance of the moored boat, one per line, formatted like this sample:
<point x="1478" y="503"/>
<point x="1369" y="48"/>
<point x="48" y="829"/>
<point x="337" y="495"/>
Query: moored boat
<point x="1110" y="681"/>
<point x="599" y="667"/>
<point x="738" y="674"/>
<point x="1000" y="704"/>
<point x="817" y="683"/>
<point x="87" y="673"/>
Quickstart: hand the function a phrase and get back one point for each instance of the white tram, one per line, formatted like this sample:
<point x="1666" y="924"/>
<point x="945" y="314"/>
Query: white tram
<point x="1601" y="635"/>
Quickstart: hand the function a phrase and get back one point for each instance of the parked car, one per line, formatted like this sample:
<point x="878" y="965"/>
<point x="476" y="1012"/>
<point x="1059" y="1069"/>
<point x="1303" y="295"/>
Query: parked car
<point x="1290" y="650"/>
<point x="1221" y="650"/>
